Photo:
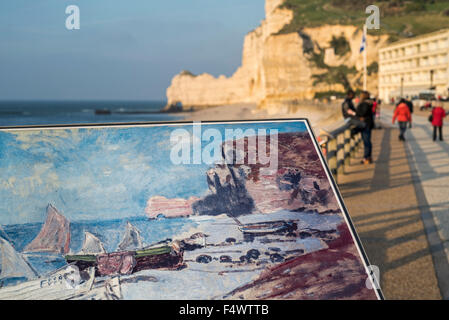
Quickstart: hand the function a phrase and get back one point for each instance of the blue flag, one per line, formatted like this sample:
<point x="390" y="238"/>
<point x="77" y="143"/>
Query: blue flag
<point x="363" y="45"/>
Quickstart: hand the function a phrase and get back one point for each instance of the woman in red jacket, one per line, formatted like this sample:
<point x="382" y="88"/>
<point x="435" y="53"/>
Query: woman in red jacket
<point x="403" y="115"/>
<point x="438" y="114"/>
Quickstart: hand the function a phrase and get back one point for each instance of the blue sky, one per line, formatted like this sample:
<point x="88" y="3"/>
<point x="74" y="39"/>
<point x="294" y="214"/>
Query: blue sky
<point x="97" y="173"/>
<point x="125" y="50"/>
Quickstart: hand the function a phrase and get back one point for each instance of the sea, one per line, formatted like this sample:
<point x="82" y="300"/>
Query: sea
<point x="23" y="113"/>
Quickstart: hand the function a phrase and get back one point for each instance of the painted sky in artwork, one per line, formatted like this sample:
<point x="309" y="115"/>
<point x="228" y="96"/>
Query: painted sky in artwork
<point x="97" y="173"/>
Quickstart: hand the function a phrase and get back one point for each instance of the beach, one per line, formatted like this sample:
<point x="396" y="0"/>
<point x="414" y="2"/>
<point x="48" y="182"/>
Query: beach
<point x="86" y="112"/>
<point x="320" y="115"/>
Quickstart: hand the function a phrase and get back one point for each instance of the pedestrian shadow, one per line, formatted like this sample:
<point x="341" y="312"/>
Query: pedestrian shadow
<point x="359" y="219"/>
<point x="421" y="158"/>
<point x="382" y="179"/>
<point x="384" y="222"/>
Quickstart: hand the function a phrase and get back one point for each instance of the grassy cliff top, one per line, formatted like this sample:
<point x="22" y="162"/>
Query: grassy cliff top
<point x="399" y="18"/>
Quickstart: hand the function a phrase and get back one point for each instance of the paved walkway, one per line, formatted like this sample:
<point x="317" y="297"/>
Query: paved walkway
<point x="390" y="209"/>
<point x="429" y="162"/>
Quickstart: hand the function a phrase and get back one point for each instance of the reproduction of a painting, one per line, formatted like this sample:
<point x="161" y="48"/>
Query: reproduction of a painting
<point x="217" y="210"/>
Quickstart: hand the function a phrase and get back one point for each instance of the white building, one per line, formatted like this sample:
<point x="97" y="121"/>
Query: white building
<point x="413" y="65"/>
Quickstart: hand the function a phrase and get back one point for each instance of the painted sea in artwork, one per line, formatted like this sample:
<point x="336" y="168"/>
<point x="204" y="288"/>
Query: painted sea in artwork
<point x="130" y="212"/>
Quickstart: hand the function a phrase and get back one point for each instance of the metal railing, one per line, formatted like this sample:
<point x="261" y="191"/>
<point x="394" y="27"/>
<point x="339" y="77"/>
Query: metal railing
<point x="339" y="144"/>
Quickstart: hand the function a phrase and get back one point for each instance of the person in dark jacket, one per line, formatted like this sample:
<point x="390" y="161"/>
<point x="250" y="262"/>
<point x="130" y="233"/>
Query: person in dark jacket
<point x="409" y="105"/>
<point x="349" y="113"/>
<point x="364" y="113"/>
<point x="347" y="108"/>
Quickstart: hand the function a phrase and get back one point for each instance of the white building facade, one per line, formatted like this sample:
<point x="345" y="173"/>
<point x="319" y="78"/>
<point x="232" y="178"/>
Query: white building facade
<point x="414" y="65"/>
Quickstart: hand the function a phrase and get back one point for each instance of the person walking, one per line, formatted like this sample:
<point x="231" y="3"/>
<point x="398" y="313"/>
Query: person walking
<point x="409" y="104"/>
<point x="364" y="113"/>
<point x="438" y="114"/>
<point x="404" y="116"/>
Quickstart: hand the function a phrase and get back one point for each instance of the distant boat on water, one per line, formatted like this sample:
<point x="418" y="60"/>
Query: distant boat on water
<point x="102" y="111"/>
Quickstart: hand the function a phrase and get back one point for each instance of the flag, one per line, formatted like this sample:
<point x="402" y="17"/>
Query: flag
<point x="363" y="49"/>
<point x="363" y="45"/>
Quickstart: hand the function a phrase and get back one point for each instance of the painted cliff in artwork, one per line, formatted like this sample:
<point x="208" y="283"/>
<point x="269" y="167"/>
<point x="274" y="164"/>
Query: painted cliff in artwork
<point x="216" y="211"/>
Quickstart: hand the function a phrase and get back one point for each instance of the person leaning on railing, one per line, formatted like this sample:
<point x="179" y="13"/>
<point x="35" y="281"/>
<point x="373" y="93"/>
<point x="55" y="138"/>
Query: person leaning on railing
<point x="347" y="108"/>
<point x="350" y="114"/>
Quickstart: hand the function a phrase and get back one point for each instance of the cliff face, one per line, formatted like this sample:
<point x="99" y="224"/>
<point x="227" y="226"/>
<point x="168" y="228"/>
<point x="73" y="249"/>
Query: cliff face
<point x="169" y="207"/>
<point x="278" y="68"/>
<point x="297" y="183"/>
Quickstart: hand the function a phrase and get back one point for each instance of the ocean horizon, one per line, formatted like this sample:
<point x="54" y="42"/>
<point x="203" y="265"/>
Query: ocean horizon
<point x="53" y="112"/>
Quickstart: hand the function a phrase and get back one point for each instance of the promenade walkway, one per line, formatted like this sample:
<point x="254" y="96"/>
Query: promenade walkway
<point x="400" y="208"/>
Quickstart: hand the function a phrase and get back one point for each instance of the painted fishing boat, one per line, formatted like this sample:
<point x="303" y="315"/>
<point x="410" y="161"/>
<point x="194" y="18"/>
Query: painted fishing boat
<point x="64" y="283"/>
<point x="130" y="256"/>
<point x="103" y="289"/>
<point x="262" y="228"/>
<point x="168" y="256"/>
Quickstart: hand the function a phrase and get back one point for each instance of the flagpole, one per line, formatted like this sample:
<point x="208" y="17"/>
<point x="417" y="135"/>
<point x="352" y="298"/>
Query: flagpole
<point x="365" y="71"/>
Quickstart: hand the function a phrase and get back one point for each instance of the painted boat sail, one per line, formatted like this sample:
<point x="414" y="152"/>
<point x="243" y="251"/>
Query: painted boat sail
<point x="12" y="264"/>
<point x="91" y="245"/>
<point x="4" y="235"/>
<point x="132" y="239"/>
<point x="54" y="236"/>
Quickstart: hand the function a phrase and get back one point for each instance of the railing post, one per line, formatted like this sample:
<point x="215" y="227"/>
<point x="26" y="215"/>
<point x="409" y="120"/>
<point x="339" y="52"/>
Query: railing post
<point x="347" y="146"/>
<point x="340" y="153"/>
<point x="341" y="144"/>
<point x="353" y="144"/>
<point x="358" y="138"/>
<point x="332" y="155"/>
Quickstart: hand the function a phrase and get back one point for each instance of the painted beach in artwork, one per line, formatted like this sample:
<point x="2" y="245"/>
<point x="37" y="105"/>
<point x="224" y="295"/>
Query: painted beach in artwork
<point x="173" y="211"/>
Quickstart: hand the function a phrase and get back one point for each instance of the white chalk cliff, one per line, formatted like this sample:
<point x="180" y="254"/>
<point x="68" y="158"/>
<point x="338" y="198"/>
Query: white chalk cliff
<point x="276" y="67"/>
